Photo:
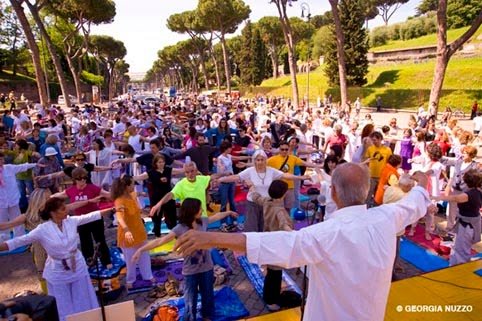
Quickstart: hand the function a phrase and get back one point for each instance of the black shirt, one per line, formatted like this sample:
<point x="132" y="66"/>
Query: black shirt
<point x="147" y="159"/>
<point x="471" y="208"/>
<point x="160" y="183"/>
<point x="199" y="155"/>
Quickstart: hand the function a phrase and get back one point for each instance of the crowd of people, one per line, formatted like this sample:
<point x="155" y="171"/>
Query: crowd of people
<point x="196" y="150"/>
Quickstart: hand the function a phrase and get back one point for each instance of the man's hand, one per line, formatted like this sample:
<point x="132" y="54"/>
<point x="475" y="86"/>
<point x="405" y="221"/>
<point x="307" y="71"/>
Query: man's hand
<point x="191" y="241"/>
<point x="421" y="179"/>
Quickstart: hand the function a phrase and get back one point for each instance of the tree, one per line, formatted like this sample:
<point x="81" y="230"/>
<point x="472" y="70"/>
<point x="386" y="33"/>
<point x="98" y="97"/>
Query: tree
<point x="251" y="54"/>
<point x="223" y="17"/>
<point x="35" y="8"/>
<point x="340" y="44"/>
<point x="73" y="17"/>
<point x="444" y="51"/>
<point x="109" y="51"/>
<point x="11" y="36"/>
<point x="355" y="46"/>
<point x="32" y="44"/>
<point x="426" y="6"/>
<point x="387" y="8"/>
<point x="319" y="21"/>
<point x="290" y="46"/>
<point x="188" y="22"/>
<point x="460" y="13"/>
<point x="272" y="35"/>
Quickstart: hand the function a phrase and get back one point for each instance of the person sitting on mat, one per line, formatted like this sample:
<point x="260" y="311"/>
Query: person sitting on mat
<point x="198" y="267"/>
<point x="468" y="225"/>
<point x="276" y="218"/>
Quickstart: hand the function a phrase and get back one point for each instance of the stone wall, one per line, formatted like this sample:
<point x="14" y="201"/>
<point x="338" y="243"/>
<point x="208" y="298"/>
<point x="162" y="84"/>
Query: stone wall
<point x="29" y="89"/>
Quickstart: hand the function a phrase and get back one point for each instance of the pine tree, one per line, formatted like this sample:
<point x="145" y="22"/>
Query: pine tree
<point x="259" y="58"/>
<point x="356" y="45"/>
<point x="246" y="55"/>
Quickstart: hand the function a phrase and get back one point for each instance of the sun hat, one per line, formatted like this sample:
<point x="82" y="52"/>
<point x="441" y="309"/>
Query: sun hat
<point x="50" y="151"/>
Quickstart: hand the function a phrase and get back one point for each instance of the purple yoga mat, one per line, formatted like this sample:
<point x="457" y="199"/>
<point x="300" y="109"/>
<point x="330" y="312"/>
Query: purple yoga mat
<point x="175" y="268"/>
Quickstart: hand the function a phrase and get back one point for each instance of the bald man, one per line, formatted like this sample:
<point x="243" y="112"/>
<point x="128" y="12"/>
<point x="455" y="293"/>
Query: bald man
<point x="350" y="257"/>
<point x="193" y="186"/>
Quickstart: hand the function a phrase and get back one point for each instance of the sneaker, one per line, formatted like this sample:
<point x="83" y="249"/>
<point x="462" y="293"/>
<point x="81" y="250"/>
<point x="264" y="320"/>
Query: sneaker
<point x="224" y="228"/>
<point x="232" y="228"/>
<point x="273" y="307"/>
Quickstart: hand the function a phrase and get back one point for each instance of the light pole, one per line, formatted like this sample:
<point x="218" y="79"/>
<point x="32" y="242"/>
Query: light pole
<point x="305" y="11"/>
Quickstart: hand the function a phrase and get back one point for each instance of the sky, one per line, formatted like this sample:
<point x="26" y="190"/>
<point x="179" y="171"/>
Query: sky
<point x="141" y="24"/>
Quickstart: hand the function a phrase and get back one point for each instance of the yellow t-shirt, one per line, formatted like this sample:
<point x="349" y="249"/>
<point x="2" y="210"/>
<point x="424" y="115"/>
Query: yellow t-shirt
<point x="378" y="158"/>
<point x="184" y="189"/>
<point x="278" y="160"/>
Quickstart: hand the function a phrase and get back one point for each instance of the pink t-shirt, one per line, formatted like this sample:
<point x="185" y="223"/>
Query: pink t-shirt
<point x="89" y="192"/>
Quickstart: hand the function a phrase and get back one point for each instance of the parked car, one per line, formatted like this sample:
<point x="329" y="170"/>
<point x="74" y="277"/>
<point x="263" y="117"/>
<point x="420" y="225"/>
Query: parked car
<point x="151" y="99"/>
<point x="61" y="100"/>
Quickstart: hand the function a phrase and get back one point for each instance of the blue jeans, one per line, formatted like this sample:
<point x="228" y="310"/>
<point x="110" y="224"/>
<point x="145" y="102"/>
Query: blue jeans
<point x="226" y="192"/>
<point x="199" y="283"/>
<point x="23" y="187"/>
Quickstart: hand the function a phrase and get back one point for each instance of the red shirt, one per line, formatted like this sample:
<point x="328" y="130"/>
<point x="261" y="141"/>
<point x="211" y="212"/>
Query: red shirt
<point x="337" y="140"/>
<point x="89" y="192"/>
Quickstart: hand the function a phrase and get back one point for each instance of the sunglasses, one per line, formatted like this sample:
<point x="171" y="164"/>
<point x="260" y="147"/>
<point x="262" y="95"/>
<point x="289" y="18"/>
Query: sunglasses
<point x="81" y="178"/>
<point x="284" y="149"/>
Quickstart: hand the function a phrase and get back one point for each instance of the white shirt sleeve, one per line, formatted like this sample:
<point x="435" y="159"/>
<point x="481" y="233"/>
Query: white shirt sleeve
<point x="21" y="167"/>
<point x="409" y="209"/>
<point x="32" y="236"/>
<point x="86" y="218"/>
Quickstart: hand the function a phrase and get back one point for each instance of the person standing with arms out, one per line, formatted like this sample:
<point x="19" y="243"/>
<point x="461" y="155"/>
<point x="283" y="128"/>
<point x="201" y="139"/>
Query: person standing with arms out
<point x="377" y="155"/>
<point x="337" y="267"/>
<point x="468" y="226"/>
<point x="160" y="178"/>
<point x="276" y="218"/>
<point x="10" y="195"/>
<point x="131" y="234"/>
<point x="198" y="267"/>
<point x="65" y="270"/>
<point x="83" y="191"/>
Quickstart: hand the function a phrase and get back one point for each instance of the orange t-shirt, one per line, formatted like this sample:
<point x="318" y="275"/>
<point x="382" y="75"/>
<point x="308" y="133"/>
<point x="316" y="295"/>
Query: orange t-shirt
<point x="131" y="214"/>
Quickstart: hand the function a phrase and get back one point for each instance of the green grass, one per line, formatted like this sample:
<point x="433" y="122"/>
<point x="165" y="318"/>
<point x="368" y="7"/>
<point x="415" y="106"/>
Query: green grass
<point x="425" y="40"/>
<point x="401" y="85"/>
<point x="7" y="76"/>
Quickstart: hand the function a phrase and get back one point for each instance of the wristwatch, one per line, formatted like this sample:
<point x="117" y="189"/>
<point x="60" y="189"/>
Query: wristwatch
<point x="113" y="210"/>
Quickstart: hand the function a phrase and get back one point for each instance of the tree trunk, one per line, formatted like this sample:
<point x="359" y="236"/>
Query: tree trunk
<point x="227" y="68"/>
<point x="273" y="54"/>
<point x="32" y="44"/>
<point x="75" y="76"/>
<point x="444" y="52"/>
<point x="53" y="52"/>
<point x="340" y="44"/>
<point x="14" y="49"/>
<point x="203" y="70"/>
<point x="288" y="36"/>
<point x="111" y="82"/>
<point x="216" y="70"/>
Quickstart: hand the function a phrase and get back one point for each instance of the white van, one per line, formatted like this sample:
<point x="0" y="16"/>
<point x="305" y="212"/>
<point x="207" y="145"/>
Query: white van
<point x="61" y="100"/>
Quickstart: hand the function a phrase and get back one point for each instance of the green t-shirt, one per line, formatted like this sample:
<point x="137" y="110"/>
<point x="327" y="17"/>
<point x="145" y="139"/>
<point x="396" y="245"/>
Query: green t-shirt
<point x="185" y="189"/>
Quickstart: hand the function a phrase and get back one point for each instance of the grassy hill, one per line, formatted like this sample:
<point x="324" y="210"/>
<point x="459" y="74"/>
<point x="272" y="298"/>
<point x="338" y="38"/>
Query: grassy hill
<point x="7" y="76"/>
<point x="427" y="40"/>
<point x="400" y="85"/>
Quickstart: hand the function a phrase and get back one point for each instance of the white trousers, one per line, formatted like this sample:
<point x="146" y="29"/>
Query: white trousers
<point x="461" y="252"/>
<point x="75" y="297"/>
<point x="144" y="264"/>
<point x="452" y="211"/>
<point x="9" y="214"/>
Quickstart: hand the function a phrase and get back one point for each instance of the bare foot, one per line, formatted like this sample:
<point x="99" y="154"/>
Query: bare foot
<point x="411" y="233"/>
<point x="427" y="236"/>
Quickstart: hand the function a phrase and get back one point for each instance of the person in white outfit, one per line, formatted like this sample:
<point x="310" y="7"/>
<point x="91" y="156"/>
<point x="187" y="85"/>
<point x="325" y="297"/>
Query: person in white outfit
<point x="65" y="270"/>
<point x="349" y="257"/>
<point x="10" y="195"/>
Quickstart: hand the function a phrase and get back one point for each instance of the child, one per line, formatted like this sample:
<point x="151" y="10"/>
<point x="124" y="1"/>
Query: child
<point x="198" y="267"/>
<point x="406" y="149"/>
<point x="276" y="218"/>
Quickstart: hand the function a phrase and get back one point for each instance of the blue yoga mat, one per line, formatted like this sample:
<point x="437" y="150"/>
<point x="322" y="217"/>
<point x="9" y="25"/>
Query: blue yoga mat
<point x="478" y="272"/>
<point x="118" y="263"/>
<point x="227" y="306"/>
<point x="421" y="257"/>
<point x="256" y="277"/>
<point x="17" y="250"/>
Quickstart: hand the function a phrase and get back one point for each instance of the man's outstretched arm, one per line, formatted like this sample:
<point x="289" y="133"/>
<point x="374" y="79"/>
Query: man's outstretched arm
<point x="194" y="240"/>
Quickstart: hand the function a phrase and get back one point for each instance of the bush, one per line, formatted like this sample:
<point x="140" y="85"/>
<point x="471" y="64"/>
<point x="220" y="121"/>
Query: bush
<point x="91" y="79"/>
<point x="379" y="36"/>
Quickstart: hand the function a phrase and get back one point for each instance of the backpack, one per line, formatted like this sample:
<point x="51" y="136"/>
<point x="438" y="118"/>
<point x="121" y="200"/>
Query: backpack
<point x="166" y="313"/>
